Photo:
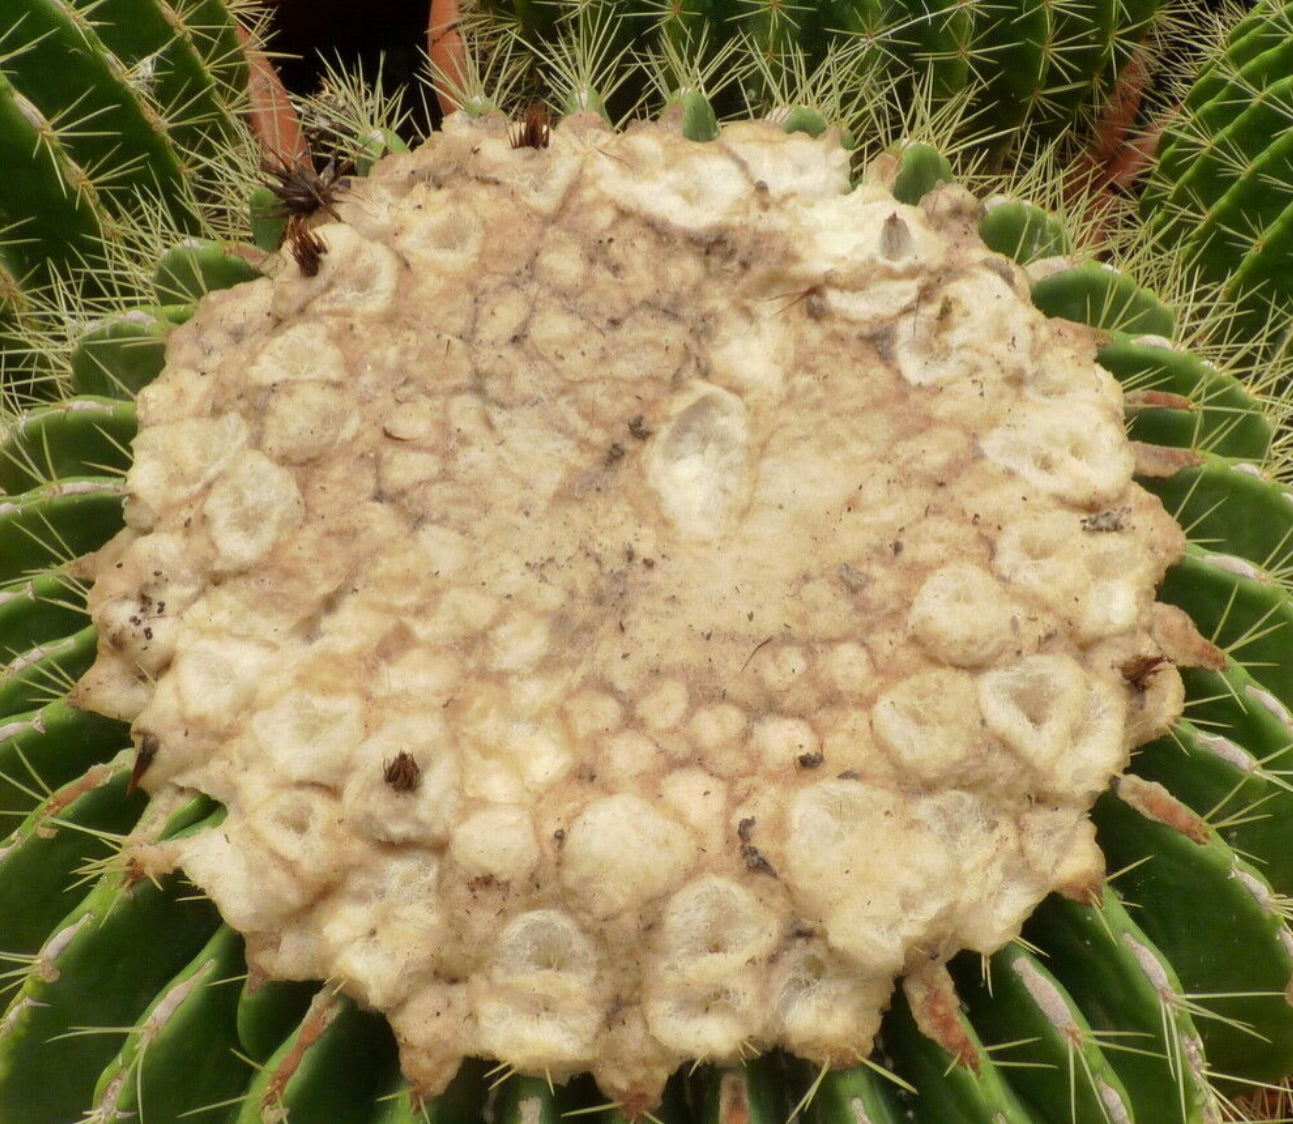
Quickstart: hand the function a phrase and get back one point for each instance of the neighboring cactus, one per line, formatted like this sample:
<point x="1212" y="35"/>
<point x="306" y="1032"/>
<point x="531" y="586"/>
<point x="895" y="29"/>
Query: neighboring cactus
<point x="1114" y="1022"/>
<point x="1221" y="193"/>
<point x="121" y="129"/>
<point x="1038" y="63"/>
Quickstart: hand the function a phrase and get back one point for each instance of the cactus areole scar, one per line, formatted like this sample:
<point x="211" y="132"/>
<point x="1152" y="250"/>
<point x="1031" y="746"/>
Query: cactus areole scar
<point x="636" y="601"/>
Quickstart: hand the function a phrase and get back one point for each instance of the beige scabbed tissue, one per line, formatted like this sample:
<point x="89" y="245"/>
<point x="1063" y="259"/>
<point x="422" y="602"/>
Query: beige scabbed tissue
<point x="636" y="600"/>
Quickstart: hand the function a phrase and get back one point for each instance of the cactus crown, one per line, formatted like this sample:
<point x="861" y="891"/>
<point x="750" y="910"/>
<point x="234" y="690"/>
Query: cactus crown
<point x="810" y="551"/>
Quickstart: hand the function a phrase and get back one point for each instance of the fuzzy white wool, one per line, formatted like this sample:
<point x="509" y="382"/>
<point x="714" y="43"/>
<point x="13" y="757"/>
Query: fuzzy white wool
<point x="638" y="598"/>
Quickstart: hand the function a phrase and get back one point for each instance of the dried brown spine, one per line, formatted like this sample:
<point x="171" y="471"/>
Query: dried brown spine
<point x="534" y="129"/>
<point x="402" y="773"/>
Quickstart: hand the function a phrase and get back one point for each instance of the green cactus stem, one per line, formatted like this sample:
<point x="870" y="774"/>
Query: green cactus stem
<point x="1133" y="1000"/>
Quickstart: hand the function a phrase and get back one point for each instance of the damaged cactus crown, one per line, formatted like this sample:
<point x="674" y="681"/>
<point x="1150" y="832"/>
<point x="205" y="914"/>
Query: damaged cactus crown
<point x="634" y="601"/>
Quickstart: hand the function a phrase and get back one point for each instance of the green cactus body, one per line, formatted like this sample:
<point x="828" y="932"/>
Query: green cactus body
<point x="51" y="747"/>
<point x="759" y="1086"/>
<point x="47" y="524"/>
<point x="1017" y="42"/>
<point x="941" y="38"/>
<point x="964" y="1085"/>
<point x="1221" y="185"/>
<point x="1242" y="609"/>
<point x="59" y="50"/>
<point x="1093" y="294"/>
<point x="1083" y="54"/>
<point x="1241" y="914"/>
<point x="186" y="58"/>
<point x="37" y="610"/>
<point x="1194" y="495"/>
<point x="1020" y="1006"/>
<point x="1250" y="708"/>
<point x="74" y="438"/>
<point x="858" y="1092"/>
<point x="45" y="670"/>
<point x="1240" y="206"/>
<point x="66" y="831"/>
<point x="49" y="201"/>
<point x="1218" y="418"/>
<point x="1041" y="61"/>
<point x="1022" y="231"/>
<point x="1241" y="791"/>
<point x="185" y="1030"/>
<point x="1260" y="275"/>
<point x="268" y="1010"/>
<point x="1259" y="31"/>
<point x="188" y="272"/>
<point x="1105" y="1014"/>
<point x="118" y="121"/>
<point x="99" y="969"/>
<point x="329" y="1066"/>
<point x="1234" y="127"/>
<point x="121" y="354"/>
<point x="1125" y="988"/>
<point x="921" y="168"/>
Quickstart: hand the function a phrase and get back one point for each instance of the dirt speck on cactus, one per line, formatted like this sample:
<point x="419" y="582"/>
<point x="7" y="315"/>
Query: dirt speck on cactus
<point x="749" y="650"/>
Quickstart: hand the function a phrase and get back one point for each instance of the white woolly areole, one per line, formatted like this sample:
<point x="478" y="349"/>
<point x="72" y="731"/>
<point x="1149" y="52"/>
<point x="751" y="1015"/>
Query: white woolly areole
<point x="636" y="600"/>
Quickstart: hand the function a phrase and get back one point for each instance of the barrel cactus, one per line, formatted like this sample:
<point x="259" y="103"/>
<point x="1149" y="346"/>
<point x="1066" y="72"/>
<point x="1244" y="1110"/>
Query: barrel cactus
<point x="124" y="131"/>
<point x="1044" y="64"/>
<point x="609" y="600"/>
<point x="1221" y="188"/>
